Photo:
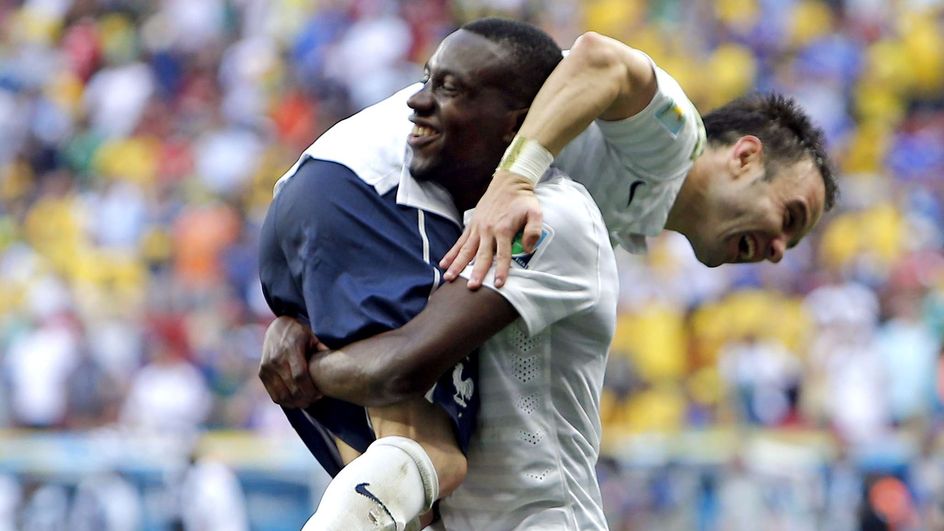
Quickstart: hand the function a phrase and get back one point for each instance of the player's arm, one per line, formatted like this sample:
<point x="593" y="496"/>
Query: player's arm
<point x="600" y="78"/>
<point x="405" y="362"/>
<point x="559" y="279"/>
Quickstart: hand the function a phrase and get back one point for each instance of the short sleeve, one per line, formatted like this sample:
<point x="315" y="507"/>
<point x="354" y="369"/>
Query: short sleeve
<point x="562" y="276"/>
<point x="634" y="168"/>
<point x="657" y="144"/>
<point x="337" y="243"/>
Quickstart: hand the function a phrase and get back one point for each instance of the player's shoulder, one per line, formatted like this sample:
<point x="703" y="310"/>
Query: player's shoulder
<point x="371" y="142"/>
<point x="324" y="189"/>
<point x="566" y="202"/>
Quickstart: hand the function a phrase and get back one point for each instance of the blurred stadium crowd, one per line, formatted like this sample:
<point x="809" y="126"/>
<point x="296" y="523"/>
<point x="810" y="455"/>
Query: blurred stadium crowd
<point x="139" y="142"/>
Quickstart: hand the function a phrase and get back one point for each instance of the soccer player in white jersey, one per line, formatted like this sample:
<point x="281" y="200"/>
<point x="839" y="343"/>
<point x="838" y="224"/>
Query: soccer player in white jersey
<point x="761" y="184"/>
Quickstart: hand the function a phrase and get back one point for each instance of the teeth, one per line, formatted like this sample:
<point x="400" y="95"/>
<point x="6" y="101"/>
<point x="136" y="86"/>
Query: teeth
<point x="419" y="130"/>
<point x="746" y="248"/>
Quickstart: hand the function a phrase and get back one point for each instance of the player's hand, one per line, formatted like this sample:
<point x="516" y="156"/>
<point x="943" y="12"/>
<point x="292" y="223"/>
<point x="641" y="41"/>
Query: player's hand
<point x="508" y="205"/>
<point x="287" y="347"/>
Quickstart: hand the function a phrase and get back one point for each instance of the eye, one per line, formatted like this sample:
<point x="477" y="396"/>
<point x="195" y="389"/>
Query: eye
<point x="448" y="85"/>
<point x="788" y="220"/>
<point x="425" y="78"/>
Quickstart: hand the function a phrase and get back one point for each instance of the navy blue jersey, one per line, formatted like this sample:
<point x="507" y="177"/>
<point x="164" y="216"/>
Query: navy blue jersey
<point x="352" y="263"/>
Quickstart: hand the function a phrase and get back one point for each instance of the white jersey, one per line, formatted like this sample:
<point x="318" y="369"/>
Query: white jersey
<point x="533" y="455"/>
<point x="632" y="168"/>
<point x="635" y="167"/>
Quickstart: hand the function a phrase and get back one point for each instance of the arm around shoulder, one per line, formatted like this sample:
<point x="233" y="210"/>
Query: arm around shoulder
<point x="628" y="69"/>
<point x="602" y="78"/>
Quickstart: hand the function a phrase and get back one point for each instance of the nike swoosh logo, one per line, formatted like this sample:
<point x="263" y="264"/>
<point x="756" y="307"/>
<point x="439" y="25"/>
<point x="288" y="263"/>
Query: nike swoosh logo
<point x="361" y="488"/>
<point x="632" y="191"/>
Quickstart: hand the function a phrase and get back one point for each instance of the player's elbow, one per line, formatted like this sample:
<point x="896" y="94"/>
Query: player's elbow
<point x="610" y="61"/>
<point x="401" y="385"/>
<point x="399" y="378"/>
<point x="598" y="52"/>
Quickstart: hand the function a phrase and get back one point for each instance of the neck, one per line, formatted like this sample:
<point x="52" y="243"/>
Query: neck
<point x="467" y="183"/>
<point x="465" y="196"/>
<point x="687" y="211"/>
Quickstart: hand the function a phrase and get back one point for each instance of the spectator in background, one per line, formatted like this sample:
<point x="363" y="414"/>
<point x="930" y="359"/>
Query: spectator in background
<point x="92" y="397"/>
<point x="168" y="396"/>
<point x="105" y="502"/>
<point x="908" y="350"/>
<point x="212" y="498"/>
<point x="46" y="509"/>
<point x="846" y="362"/>
<point x="765" y="376"/>
<point x="42" y="357"/>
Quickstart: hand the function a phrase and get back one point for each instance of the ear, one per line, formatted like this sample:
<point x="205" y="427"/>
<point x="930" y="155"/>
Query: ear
<point x="746" y="154"/>
<point x="515" y="119"/>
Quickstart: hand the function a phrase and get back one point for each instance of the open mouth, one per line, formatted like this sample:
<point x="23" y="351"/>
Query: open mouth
<point x="422" y="135"/>
<point x="747" y="248"/>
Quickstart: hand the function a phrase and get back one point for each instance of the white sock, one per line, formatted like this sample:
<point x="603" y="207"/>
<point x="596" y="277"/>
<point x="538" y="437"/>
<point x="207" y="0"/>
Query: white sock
<point x="384" y="489"/>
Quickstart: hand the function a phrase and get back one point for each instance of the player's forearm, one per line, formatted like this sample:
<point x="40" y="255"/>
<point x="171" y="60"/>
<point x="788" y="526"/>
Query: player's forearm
<point x="390" y="367"/>
<point x="406" y="362"/>
<point x="600" y="78"/>
<point x="369" y="373"/>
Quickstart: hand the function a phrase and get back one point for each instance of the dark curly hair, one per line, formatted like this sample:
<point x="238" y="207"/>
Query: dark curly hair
<point x="780" y="123"/>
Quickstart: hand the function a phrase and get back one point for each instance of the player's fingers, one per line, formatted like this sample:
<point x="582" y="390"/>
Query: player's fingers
<point x="468" y="251"/>
<point x="300" y="385"/>
<point x="532" y="230"/>
<point x="274" y="386"/>
<point x="450" y="256"/>
<point x="502" y="260"/>
<point x="483" y="261"/>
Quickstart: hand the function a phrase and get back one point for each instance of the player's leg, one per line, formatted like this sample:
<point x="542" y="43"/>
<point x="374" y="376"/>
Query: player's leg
<point x="346" y="452"/>
<point x="427" y="424"/>
<point x="414" y="461"/>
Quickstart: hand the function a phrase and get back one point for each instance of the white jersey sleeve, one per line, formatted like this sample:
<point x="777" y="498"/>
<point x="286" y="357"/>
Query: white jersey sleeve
<point x="562" y="276"/>
<point x="635" y="167"/>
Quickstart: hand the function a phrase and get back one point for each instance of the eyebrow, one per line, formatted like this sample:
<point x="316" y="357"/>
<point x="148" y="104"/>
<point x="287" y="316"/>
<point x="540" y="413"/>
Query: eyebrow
<point x="805" y="217"/>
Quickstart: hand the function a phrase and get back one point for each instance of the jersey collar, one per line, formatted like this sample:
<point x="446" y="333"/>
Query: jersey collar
<point x="425" y="195"/>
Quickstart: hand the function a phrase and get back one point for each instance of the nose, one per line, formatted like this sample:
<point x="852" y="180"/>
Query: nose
<point x="777" y="247"/>
<point x="422" y="101"/>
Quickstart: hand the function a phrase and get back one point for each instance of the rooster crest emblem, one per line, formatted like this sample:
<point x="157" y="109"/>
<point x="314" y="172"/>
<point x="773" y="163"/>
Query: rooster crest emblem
<point x="464" y="386"/>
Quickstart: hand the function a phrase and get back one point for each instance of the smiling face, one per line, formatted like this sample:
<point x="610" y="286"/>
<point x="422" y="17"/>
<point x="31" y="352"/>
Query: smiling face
<point x="463" y="121"/>
<point x="746" y="217"/>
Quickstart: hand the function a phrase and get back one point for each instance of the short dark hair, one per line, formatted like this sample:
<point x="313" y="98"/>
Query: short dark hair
<point x="532" y="53"/>
<point x="782" y="126"/>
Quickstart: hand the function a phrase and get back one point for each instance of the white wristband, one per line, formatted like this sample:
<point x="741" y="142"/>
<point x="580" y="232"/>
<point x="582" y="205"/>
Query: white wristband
<point x="527" y="158"/>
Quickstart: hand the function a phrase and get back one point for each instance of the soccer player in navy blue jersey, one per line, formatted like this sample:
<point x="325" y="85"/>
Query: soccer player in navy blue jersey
<point x="351" y="251"/>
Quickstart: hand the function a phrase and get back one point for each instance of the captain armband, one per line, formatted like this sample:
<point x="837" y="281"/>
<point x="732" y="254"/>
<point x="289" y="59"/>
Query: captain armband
<point x="527" y="158"/>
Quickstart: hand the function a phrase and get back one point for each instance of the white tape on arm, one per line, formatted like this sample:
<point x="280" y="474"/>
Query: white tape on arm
<point x="527" y="158"/>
